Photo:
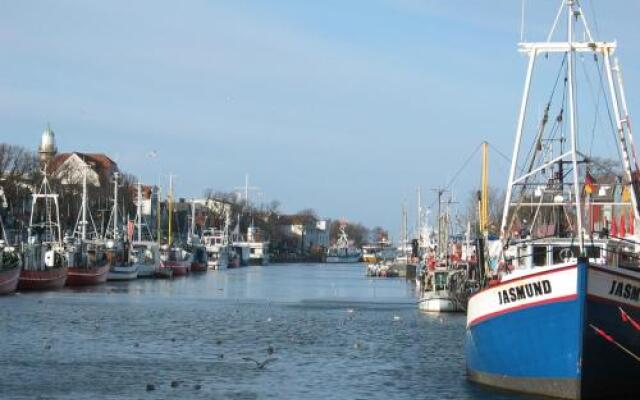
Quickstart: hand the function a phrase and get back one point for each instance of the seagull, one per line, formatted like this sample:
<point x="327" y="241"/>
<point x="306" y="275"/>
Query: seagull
<point x="260" y="365"/>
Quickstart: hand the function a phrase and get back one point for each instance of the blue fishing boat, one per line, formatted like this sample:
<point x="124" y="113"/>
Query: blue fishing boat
<point x="559" y="311"/>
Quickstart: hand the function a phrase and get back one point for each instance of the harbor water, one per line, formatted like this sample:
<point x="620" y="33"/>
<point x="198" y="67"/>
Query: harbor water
<point x="332" y="332"/>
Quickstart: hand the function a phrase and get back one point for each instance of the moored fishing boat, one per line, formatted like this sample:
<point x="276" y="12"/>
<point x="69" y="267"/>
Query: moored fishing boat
<point x="176" y="259"/>
<point x="198" y="259"/>
<point x="9" y="278"/>
<point x="118" y="248"/>
<point x="343" y="251"/>
<point x="44" y="264"/>
<point x="173" y="257"/>
<point x="163" y="272"/>
<point x="439" y="292"/>
<point x="196" y="247"/>
<point x="146" y="256"/>
<point x="85" y="254"/>
<point x="87" y="276"/>
<point x="10" y="263"/>
<point x="559" y="313"/>
<point x="145" y="253"/>
<point x="217" y="246"/>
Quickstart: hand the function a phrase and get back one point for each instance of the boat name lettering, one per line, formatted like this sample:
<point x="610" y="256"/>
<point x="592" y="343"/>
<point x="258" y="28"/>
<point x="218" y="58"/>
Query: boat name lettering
<point x="524" y="292"/>
<point x="625" y="290"/>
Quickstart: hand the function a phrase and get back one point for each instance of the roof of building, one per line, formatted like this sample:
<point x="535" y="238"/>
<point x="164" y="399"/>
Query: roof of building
<point x="98" y="161"/>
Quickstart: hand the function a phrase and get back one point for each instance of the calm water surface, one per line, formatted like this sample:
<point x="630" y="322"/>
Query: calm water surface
<point x="335" y="335"/>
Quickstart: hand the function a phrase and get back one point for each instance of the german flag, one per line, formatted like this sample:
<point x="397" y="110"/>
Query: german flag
<point x="589" y="183"/>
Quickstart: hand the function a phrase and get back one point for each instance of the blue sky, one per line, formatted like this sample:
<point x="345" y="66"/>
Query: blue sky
<point x="341" y="106"/>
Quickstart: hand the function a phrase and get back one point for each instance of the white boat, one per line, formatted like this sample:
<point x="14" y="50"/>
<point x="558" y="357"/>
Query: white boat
<point x="118" y="249"/>
<point x="253" y="251"/>
<point x="216" y="244"/>
<point x="342" y="251"/>
<point x="146" y="256"/>
<point x="434" y="302"/>
<point x="144" y="251"/>
<point x="438" y="294"/>
<point x="124" y="272"/>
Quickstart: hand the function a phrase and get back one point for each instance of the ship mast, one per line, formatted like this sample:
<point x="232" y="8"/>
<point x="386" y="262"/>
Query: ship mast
<point x="572" y="125"/>
<point x="83" y="234"/>
<point x="419" y="219"/>
<point x="3" y="205"/>
<point x="624" y="137"/>
<point x="170" y="201"/>
<point x="193" y="220"/>
<point x="159" y="216"/>
<point x="139" y="212"/>
<point x="116" y="175"/>
<point x="52" y="230"/>
<point x="484" y="192"/>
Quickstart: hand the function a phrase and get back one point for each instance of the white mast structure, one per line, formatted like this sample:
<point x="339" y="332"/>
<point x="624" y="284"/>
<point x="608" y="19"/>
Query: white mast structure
<point x="116" y="175"/>
<point x="82" y="221"/>
<point x="52" y="229"/>
<point x="419" y="219"/>
<point x="3" y="198"/>
<point x="246" y="189"/>
<point x="616" y="94"/>
<point x="83" y="236"/>
<point x="192" y="231"/>
<point x="139" y="212"/>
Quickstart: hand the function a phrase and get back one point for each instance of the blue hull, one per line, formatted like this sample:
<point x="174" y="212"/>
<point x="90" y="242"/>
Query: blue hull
<point x="551" y="349"/>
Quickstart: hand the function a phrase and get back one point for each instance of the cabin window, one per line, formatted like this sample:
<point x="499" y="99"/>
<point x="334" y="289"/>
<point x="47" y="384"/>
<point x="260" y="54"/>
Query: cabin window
<point x="539" y="256"/>
<point x="593" y="252"/>
<point x="564" y="253"/>
<point x="441" y="281"/>
<point x="627" y="259"/>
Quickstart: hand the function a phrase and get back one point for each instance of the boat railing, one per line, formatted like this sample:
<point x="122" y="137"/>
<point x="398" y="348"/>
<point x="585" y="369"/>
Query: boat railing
<point x="613" y="256"/>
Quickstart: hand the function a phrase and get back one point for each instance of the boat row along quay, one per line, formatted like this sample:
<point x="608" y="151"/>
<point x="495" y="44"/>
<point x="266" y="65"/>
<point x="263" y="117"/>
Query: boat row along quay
<point x="75" y="219"/>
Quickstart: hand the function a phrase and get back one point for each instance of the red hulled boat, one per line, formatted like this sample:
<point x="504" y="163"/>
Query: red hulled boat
<point x="198" y="267"/>
<point x="179" y="268"/>
<point x="88" y="264"/>
<point x="9" y="264"/>
<point x="87" y="276"/>
<point x="44" y="265"/>
<point x="50" y="279"/>
<point x="175" y="259"/>
<point x="9" y="279"/>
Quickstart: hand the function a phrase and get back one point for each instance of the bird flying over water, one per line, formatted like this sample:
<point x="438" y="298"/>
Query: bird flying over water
<point x="259" y="364"/>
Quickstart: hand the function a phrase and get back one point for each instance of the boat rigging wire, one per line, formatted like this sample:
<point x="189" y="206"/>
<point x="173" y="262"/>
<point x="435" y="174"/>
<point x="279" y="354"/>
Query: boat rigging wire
<point x="464" y="165"/>
<point x="604" y="94"/>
